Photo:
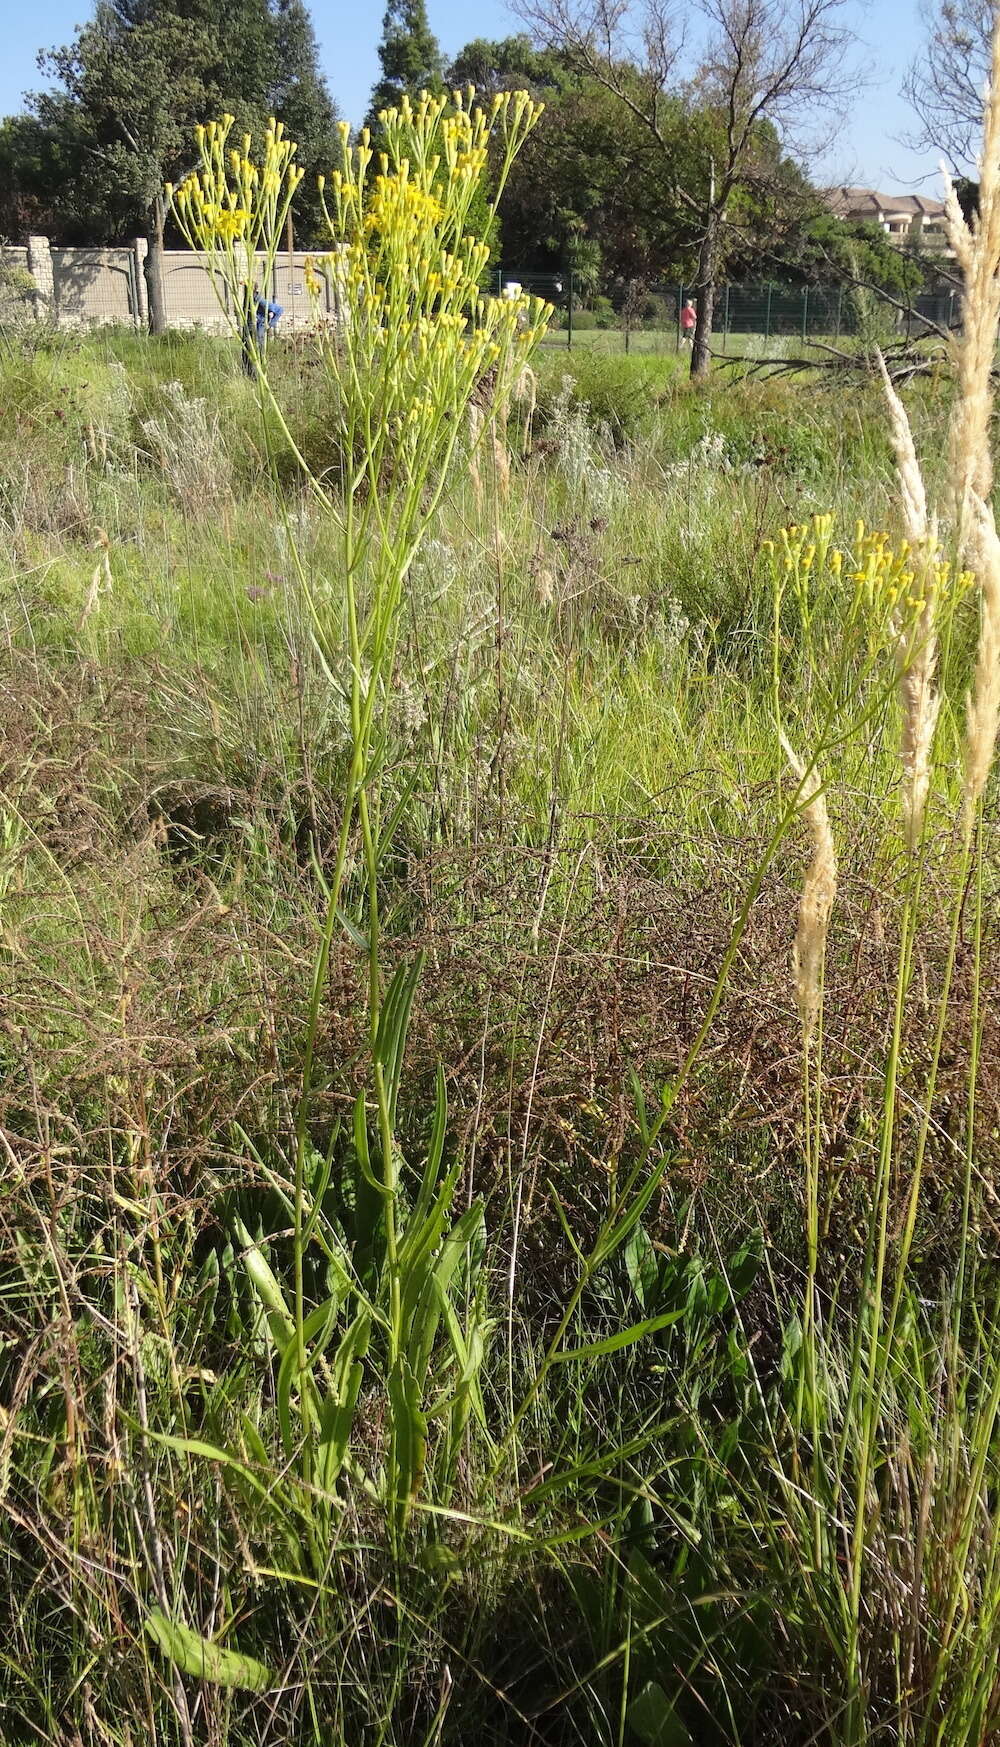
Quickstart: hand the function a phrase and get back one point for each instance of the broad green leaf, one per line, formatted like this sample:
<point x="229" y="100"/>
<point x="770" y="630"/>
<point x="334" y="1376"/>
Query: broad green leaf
<point x="654" y="1719"/>
<point x="642" y="1266"/>
<point x="196" y="1655"/>
<point x="745" y="1266"/>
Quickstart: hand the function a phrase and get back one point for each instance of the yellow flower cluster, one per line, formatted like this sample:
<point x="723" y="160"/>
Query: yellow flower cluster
<point x="230" y="208"/>
<point x="397" y="204"/>
<point x="898" y="585"/>
<point x="406" y="270"/>
<point x="413" y="334"/>
<point x="797" y="546"/>
<point x="908" y="582"/>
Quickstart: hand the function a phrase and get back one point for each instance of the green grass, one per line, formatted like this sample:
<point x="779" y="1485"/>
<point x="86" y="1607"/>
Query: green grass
<point x="621" y="1544"/>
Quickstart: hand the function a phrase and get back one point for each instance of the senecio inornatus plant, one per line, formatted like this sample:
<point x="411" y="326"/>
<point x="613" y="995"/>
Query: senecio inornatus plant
<point x="415" y="324"/>
<point x="414" y="339"/>
<point x="233" y="209"/>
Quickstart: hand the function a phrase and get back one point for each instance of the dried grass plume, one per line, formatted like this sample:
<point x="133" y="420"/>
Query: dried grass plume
<point x="819" y="891"/>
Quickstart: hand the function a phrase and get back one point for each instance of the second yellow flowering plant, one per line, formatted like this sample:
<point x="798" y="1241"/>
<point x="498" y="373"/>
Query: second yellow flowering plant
<point x="412" y="342"/>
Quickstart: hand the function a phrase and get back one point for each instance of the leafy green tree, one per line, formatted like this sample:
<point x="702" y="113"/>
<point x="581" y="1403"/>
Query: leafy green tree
<point x="594" y="192"/>
<point x="128" y="92"/>
<point x="409" y="56"/>
<point x="131" y="86"/>
<point x="33" y="165"/>
<point x="597" y="191"/>
<point x="584" y="193"/>
<point x="763" y="65"/>
<point x="509" y="64"/>
<point x="855" y="253"/>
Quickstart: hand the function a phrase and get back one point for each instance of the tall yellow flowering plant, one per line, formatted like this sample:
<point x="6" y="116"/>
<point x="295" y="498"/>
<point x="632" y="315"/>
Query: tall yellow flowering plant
<point x="412" y="341"/>
<point x="233" y="211"/>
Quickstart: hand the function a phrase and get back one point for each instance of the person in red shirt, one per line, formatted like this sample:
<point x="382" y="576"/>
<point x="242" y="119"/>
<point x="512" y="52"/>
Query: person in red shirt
<point x="688" y="320"/>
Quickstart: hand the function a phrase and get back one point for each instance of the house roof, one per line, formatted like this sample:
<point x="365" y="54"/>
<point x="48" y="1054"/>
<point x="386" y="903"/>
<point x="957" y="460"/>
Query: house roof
<point x="870" y="203"/>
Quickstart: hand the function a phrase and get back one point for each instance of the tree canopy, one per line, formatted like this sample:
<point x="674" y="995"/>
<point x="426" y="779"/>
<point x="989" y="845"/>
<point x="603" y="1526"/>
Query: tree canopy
<point x="594" y="190"/>
<point x="409" y="56"/>
<point x="631" y="168"/>
<point x="91" y="155"/>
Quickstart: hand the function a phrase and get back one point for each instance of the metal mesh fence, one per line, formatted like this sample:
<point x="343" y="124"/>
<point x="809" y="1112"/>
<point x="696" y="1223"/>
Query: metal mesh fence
<point x="648" y="317"/>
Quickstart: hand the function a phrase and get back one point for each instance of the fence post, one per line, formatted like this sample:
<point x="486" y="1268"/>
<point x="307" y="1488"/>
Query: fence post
<point x="569" y="313"/>
<point x="840" y="307"/>
<point x="805" y="312"/>
<point x="767" y="316"/>
<point x="680" y="305"/>
<point x="40" y="268"/>
<point x="725" y="323"/>
<point x="139" y="246"/>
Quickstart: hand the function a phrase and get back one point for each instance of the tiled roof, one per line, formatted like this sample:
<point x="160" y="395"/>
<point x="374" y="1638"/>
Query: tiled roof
<point x="869" y="202"/>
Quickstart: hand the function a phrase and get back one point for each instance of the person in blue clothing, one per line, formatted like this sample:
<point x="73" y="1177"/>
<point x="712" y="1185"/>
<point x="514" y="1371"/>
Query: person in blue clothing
<point x="260" y="318"/>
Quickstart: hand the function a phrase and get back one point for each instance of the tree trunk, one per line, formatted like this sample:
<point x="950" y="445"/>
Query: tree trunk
<point x="153" y="269"/>
<point x="708" y="259"/>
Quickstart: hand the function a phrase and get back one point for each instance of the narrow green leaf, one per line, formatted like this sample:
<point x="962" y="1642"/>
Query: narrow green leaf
<point x="614" y="1238"/>
<point x="361" y="1145"/>
<point x="337" y="1415"/>
<point x="435" y="1150"/>
<point x="641" y="1266"/>
<point x="319" y="1322"/>
<point x="409" y="1437"/>
<point x="319" y="1187"/>
<point x="638" y="1099"/>
<point x="626" y="1337"/>
<point x="209" y="1452"/>
<point x="394" y="1023"/>
<point x="265" y="1284"/>
<point x="391" y="825"/>
<point x="254" y="1442"/>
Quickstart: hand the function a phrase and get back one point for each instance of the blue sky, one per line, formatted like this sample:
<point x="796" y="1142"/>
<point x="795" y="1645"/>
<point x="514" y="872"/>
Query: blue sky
<point x="867" y="148"/>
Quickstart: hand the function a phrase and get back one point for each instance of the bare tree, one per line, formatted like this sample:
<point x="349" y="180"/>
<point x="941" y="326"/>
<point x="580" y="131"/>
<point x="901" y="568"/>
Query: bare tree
<point x="777" y="62"/>
<point x="946" y="82"/>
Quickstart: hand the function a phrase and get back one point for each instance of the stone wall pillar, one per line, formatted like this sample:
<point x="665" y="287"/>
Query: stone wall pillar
<point x="40" y="268"/>
<point x="140" y="249"/>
